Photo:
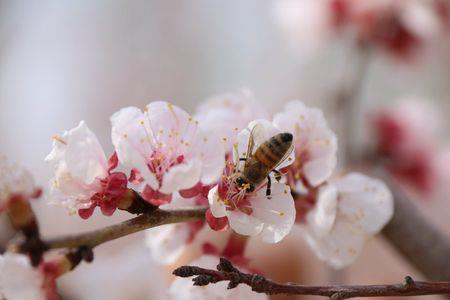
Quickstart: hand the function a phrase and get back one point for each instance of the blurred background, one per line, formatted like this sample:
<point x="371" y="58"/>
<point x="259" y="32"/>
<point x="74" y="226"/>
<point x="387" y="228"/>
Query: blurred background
<point x="66" y="61"/>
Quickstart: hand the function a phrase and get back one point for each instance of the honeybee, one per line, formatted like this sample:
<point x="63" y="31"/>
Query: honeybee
<point x="265" y="159"/>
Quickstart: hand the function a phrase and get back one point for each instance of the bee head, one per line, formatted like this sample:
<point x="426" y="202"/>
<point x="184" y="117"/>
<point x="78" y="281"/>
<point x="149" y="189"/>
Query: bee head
<point x="242" y="183"/>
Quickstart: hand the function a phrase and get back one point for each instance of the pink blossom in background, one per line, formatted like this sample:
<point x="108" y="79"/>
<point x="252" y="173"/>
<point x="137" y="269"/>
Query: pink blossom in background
<point x="398" y="27"/>
<point x="406" y="136"/>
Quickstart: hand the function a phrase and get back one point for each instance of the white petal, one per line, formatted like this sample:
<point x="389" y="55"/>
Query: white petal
<point x="133" y="142"/>
<point x="212" y="155"/>
<point x="81" y="154"/>
<point x="244" y="224"/>
<point x="167" y="242"/>
<point x="311" y="137"/>
<point x="227" y="114"/>
<point x="18" y="279"/>
<point x="364" y="202"/>
<point x="341" y="247"/>
<point x="218" y="208"/>
<point x="277" y="214"/>
<point x="321" y="219"/>
<point x="84" y="157"/>
<point x="181" y="176"/>
<point x="14" y="180"/>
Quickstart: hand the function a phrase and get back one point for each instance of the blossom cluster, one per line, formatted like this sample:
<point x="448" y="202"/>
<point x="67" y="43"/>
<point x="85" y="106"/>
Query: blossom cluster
<point x="259" y="175"/>
<point x="398" y="27"/>
<point x="173" y="159"/>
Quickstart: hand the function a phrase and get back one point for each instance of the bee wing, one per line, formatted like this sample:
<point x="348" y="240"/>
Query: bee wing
<point x="256" y="138"/>
<point x="285" y="157"/>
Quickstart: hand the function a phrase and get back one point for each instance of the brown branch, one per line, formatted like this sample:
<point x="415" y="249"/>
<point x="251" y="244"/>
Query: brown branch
<point x="417" y="240"/>
<point x="148" y="220"/>
<point x="227" y="272"/>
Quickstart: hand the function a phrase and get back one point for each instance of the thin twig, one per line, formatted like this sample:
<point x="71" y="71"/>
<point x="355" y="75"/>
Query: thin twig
<point x="227" y="272"/>
<point x="148" y="220"/>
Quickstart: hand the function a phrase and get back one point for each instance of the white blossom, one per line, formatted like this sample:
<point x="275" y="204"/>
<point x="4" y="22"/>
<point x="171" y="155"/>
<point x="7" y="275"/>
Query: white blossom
<point x="227" y="114"/>
<point x="14" y="180"/>
<point x="19" y="280"/>
<point x="254" y="213"/>
<point x="315" y="143"/>
<point x="81" y="168"/>
<point x="349" y="211"/>
<point x="168" y="242"/>
<point x="166" y="148"/>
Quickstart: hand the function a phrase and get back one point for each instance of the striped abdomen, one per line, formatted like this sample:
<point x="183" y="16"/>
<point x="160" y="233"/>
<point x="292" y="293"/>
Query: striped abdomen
<point x="267" y="157"/>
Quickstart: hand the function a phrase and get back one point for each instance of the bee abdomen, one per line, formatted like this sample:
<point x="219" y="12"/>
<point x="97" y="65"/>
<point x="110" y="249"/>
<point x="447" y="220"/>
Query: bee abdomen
<point x="272" y="151"/>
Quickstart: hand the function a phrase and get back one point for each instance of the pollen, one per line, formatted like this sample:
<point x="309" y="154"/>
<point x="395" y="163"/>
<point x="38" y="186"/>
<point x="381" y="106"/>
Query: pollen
<point x="125" y="135"/>
<point x="58" y="139"/>
<point x="236" y="129"/>
<point x="190" y="119"/>
<point x="246" y="186"/>
<point x="196" y="122"/>
<point x="187" y="144"/>
<point x="141" y="122"/>
<point x="224" y="139"/>
<point x="161" y="131"/>
<point x="205" y="140"/>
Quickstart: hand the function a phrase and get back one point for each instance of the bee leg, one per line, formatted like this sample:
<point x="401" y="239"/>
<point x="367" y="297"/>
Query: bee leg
<point x="268" y="190"/>
<point x="277" y="175"/>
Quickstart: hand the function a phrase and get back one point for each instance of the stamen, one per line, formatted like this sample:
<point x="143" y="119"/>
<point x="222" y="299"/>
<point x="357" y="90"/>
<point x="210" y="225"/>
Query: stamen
<point x="58" y="139"/>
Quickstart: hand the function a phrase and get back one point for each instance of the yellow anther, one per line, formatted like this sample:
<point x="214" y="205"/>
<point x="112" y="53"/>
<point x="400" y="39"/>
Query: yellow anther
<point x="58" y="139"/>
